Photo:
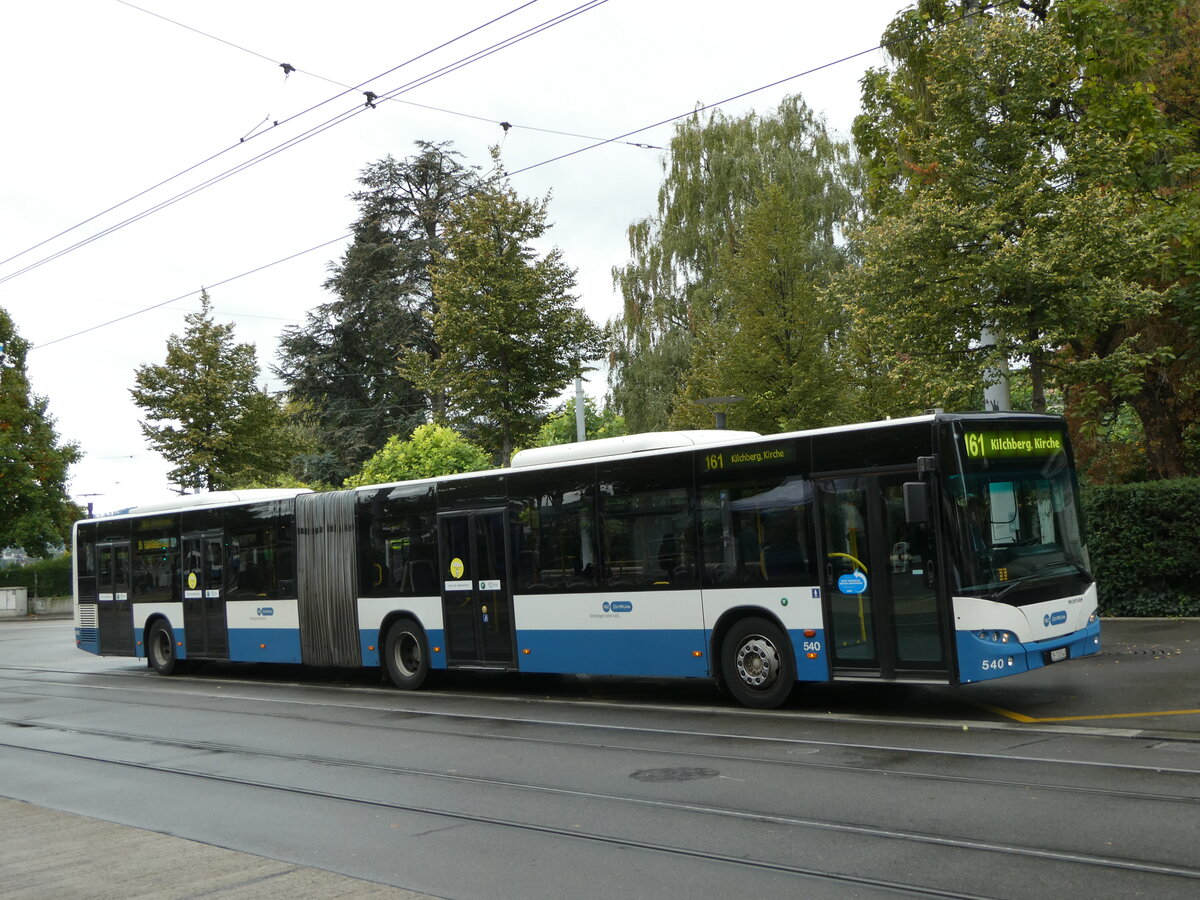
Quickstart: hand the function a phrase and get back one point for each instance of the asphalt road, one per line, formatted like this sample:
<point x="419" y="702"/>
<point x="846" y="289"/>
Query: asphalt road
<point x="1077" y="780"/>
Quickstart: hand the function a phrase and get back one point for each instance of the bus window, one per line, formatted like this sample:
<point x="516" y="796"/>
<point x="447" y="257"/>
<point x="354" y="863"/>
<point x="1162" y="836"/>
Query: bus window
<point x="556" y="532"/>
<point x="757" y="532"/>
<point x="397" y="535"/>
<point x="647" y="527"/>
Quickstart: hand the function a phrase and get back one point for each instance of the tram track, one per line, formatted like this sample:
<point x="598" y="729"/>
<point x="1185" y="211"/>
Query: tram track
<point x="1109" y="771"/>
<point x="644" y="730"/>
<point x="1013" y="851"/>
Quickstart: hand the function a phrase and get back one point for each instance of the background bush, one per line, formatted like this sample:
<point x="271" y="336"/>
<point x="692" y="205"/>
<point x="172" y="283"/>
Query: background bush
<point x="50" y="577"/>
<point x="1144" y="542"/>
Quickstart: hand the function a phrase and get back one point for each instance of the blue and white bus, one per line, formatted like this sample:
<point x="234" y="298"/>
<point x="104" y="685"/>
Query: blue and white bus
<point x="940" y="549"/>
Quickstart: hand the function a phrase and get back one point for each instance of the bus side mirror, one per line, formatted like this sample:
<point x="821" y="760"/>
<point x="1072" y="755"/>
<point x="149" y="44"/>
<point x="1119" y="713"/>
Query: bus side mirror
<point x="916" y="502"/>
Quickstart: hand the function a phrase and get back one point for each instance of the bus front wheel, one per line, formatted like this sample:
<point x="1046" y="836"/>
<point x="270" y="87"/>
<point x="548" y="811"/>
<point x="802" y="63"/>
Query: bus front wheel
<point x="757" y="665"/>
<point x="406" y="655"/>
<point x="160" y="647"/>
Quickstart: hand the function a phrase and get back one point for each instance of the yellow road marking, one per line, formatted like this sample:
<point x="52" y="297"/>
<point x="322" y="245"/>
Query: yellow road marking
<point x="1020" y="717"/>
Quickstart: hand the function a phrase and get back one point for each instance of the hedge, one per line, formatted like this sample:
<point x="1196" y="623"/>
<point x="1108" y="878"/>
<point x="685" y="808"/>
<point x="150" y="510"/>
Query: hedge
<point x="1144" y="543"/>
<point x="44" y="578"/>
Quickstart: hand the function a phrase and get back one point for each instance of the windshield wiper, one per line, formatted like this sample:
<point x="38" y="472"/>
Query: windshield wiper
<point x="1074" y="566"/>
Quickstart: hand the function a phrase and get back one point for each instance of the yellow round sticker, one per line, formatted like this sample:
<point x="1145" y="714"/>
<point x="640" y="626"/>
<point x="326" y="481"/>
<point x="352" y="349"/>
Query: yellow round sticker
<point x="192" y="582"/>
<point x="456" y="567"/>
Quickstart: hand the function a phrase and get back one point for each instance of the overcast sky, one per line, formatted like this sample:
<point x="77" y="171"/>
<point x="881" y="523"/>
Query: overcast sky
<point x="105" y="100"/>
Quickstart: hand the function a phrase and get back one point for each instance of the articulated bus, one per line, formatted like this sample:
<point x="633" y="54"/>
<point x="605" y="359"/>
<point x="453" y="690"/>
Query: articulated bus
<point x="940" y="549"/>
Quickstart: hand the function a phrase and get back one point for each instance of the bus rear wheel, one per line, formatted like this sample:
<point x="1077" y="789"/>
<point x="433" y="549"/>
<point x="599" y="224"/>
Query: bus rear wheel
<point x="406" y="655"/>
<point x="160" y="648"/>
<point x="757" y="665"/>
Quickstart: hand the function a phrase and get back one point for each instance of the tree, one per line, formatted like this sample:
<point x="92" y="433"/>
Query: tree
<point x="677" y="287"/>
<point x="35" y="510"/>
<point x="510" y="333"/>
<point x="206" y="415"/>
<point x="779" y="342"/>
<point x="340" y="367"/>
<point x="560" y="427"/>
<point x="1023" y="179"/>
<point x="431" y="451"/>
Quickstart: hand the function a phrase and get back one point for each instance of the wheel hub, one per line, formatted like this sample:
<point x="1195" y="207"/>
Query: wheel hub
<point x="758" y="662"/>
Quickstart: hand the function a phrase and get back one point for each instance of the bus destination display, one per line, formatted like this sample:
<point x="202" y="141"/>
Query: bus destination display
<point x="747" y="457"/>
<point x="1012" y="444"/>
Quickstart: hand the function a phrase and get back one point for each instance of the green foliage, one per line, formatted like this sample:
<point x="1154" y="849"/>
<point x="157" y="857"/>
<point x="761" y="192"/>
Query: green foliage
<point x="340" y="366"/>
<point x="35" y="510"/>
<point x="44" y="578"/>
<point x="431" y="451"/>
<point x="747" y="225"/>
<point x="205" y="414"/>
<point x="510" y="332"/>
<point x="1025" y="174"/>
<point x="560" y="426"/>
<point x="1144" y="542"/>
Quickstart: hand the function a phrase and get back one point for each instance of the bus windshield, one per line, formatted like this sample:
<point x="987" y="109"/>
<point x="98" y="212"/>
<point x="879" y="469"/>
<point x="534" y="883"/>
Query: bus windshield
<point x="1014" y="515"/>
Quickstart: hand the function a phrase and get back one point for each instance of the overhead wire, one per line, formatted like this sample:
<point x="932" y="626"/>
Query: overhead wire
<point x="311" y="132"/>
<point x="881" y="46"/>
<point x="232" y="147"/>
<point x="336" y="83"/>
<point x="224" y="281"/>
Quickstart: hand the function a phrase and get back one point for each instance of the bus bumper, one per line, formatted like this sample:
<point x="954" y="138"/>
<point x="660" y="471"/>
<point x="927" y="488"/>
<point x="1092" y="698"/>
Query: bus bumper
<point x="983" y="655"/>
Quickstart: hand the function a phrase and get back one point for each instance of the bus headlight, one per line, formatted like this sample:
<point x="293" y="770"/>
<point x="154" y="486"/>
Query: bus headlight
<point x="998" y="637"/>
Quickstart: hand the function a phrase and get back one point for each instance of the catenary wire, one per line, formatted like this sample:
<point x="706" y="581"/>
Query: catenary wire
<point x="336" y="83"/>
<point x="358" y="109"/>
<point x="882" y="46"/>
<point x="232" y="147"/>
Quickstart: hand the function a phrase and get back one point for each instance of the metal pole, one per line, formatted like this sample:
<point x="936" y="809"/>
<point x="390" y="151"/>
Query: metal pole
<point x="580" y="419"/>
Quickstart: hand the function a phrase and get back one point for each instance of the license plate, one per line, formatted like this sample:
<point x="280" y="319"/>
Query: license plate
<point x="1058" y="655"/>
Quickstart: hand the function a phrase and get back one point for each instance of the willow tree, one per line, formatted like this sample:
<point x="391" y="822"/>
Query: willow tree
<point x="679" y="285"/>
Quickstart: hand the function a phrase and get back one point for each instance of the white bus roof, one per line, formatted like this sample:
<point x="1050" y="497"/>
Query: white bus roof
<point x="630" y="443"/>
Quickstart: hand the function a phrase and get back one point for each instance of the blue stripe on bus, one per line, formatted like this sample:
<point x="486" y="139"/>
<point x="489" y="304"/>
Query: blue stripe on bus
<point x="650" y="652"/>
<point x="88" y="639"/>
<point x="276" y="645"/>
<point x="810" y="669"/>
<point x="980" y="659"/>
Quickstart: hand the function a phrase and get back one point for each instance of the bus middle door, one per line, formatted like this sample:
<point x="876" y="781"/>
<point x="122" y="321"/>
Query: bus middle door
<point x="476" y="589"/>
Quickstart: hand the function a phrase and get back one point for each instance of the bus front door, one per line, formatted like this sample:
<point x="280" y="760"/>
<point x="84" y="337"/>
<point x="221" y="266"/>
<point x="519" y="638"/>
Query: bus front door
<point x="112" y="609"/>
<point x="476" y="589"/>
<point x="883" y="613"/>
<point x="206" y="634"/>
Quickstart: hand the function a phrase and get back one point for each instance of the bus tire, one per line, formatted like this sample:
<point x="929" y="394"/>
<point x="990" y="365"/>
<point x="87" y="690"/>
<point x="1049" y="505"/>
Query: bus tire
<point x="406" y="655"/>
<point x="160" y="649"/>
<point x="757" y="664"/>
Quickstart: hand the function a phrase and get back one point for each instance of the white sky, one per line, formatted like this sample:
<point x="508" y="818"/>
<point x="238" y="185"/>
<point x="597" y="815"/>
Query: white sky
<point x="103" y="101"/>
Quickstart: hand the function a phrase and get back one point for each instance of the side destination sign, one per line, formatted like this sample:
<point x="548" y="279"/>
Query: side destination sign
<point x="747" y="457"/>
<point x="1009" y="444"/>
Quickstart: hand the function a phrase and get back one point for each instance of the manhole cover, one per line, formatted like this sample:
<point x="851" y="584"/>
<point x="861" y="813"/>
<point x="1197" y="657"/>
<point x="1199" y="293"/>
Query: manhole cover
<point x="677" y="774"/>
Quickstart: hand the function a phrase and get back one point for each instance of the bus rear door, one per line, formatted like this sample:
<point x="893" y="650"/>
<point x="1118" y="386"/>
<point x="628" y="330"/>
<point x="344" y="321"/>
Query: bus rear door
<point x="884" y="617"/>
<point x="205" y="629"/>
<point x="112" y="593"/>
